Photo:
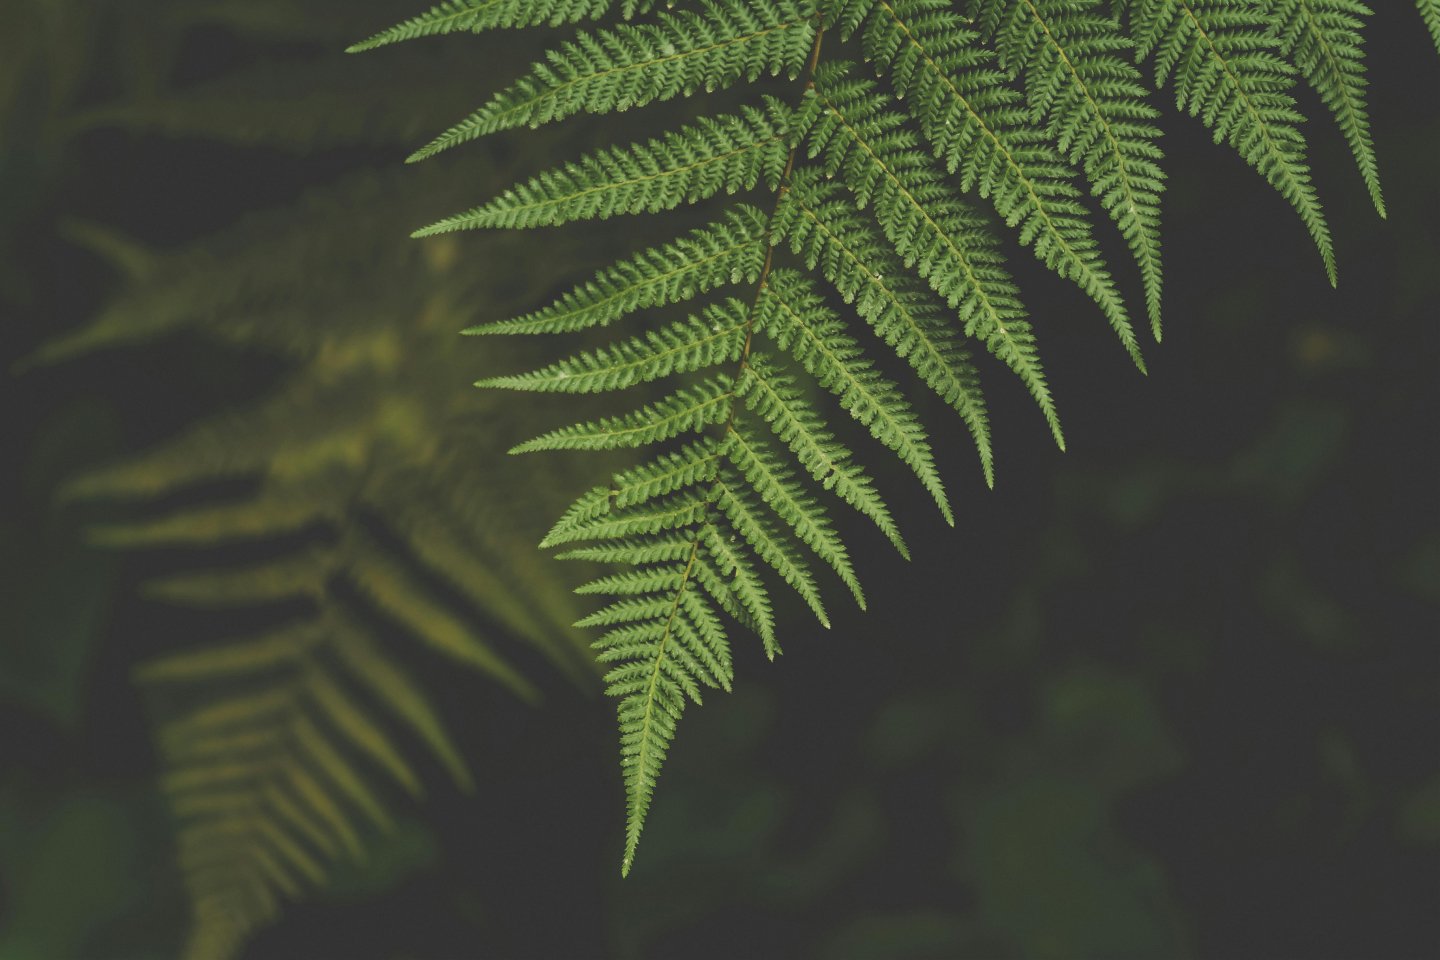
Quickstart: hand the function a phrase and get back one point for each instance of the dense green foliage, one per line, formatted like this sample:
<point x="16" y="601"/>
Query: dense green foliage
<point x="872" y="184"/>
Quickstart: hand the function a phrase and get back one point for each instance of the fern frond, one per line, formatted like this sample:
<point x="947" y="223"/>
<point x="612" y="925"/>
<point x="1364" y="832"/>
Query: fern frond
<point x="240" y="521"/>
<point x="773" y="397"/>
<point x="714" y="336"/>
<point x="630" y="66"/>
<point x="669" y="514"/>
<point x="628" y="609"/>
<point x="869" y="184"/>
<point x="724" y="154"/>
<point x="680" y="469"/>
<point x="793" y="315"/>
<point x="666" y="643"/>
<point x="649" y="580"/>
<point x="691" y="465"/>
<point x="354" y="725"/>
<point x="727" y="574"/>
<point x="767" y="540"/>
<point x="1223" y="60"/>
<point x="930" y="228"/>
<point x="684" y="411"/>
<point x="477" y="16"/>
<point x="1430" y="13"/>
<point x="823" y="229"/>
<point x="1080" y="81"/>
<point x="751" y="455"/>
<point x="1324" y="39"/>
<point x="650" y="702"/>
<point x="729" y="251"/>
<point x="398" y="594"/>
<point x="976" y="124"/>
<point x="317" y="750"/>
<point x="670" y="546"/>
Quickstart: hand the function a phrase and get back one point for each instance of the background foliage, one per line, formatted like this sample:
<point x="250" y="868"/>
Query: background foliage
<point x="1176" y="692"/>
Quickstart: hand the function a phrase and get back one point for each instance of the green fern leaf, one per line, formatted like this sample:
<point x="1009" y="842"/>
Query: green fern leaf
<point x="1080" y="82"/>
<point x="630" y="66"/>
<point x="726" y="154"/>
<point x="690" y="466"/>
<point x="650" y="703"/>
<point x="668" y="546"/>
<point x="686" y="410"/>
<point x="267" y="651"/>
<point x="1323" y="38"/>
<point x="822" y="228"/>
<point x="726" y="572"/>
<point x="349" y="720"/>
<point x="767" y="540"/>
<point x="764" y="472"/>
<point x="715" y="336"/>
<point x="1430" y="13"/>
<point x="627" y="610"/>
<point x="668" y="514"/>
<point x="477" y="16"/>
<point x="793" y="315"/>
<point x="649" y="580"/>
<point x="1224" y="63"/>
<point x="727" y="252"/>
<point x="773" y="397"/>
<point x="929" y="227"/>
<point x="861" y="202"/>
<point x="318" y="750"/>
<point x="975" y="123"/>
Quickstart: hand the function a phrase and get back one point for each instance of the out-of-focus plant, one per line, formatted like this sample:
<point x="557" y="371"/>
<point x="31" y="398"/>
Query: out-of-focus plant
<point x="367" y="493"/>
<point x="377" y="472"/>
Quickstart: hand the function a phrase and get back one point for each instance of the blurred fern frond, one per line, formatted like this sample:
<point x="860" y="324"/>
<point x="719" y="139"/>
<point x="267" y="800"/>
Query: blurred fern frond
<point x="376" y="500"/>
<point x="345" y="536"/>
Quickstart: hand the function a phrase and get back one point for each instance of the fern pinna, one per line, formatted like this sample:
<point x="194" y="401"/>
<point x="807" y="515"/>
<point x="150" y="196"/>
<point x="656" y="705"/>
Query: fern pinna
<point x="866" y="185"/>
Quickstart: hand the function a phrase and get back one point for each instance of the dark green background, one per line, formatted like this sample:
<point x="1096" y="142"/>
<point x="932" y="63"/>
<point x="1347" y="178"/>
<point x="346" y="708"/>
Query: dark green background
<point x="1169" y="694"/>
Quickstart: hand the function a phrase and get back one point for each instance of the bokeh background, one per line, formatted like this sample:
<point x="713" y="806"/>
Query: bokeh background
<point x="1170" y="694"/>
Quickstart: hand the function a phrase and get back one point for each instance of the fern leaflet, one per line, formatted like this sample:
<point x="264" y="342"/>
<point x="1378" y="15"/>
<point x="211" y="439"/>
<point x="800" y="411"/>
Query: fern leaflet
<point x="476" y="16"/>
<point x="1225" y="65"/>
<point x="1081" y="83"/>
<point x="1323" y="38"/>
<point x="974" y="122"/>
<point x="1430" y="13"/>
<point x="630" y="66"/>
